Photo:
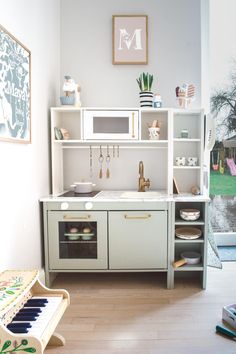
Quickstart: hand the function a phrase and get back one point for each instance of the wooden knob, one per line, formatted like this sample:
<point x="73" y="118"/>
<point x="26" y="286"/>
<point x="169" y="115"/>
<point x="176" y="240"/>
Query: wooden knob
<point x="179" y="263"/>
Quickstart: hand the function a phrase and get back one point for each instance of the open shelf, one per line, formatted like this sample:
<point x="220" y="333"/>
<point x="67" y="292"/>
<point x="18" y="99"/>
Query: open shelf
<point x="189" y="223"/>
<point x="199" y="240"/>
<point x="187" y="140"/>
<point x="190" y="268"/>
<point x="186" y="167"/>
<point x="196" y="245"/>
<point x="80" y="143"/>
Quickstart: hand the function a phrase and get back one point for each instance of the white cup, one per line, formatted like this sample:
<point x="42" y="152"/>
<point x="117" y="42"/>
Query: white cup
<point x="154" y="133"/>
<point x="192" y="161"/>
<point x="180" y="161"/>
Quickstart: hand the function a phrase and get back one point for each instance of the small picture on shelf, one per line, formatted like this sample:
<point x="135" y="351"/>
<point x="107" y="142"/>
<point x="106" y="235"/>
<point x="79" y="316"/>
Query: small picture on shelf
<point x="175" y="186"/>
<point x="58" y="133"/>
<point x="184" y="134"/>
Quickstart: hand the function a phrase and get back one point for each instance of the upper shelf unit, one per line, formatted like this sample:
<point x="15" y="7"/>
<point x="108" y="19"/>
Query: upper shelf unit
<point x="88" y="126"/>
<point x="162" y="137"/>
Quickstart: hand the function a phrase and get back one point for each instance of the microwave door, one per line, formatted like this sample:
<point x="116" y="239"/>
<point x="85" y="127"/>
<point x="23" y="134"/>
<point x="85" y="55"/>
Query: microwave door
<point x="111" y="125"/>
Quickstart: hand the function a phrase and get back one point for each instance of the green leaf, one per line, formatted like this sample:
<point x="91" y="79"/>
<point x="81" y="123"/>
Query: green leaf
<point x="29" y="350"/>
<point x="24" y="342"/>
<point x="145" y="81"/>
<point x="6" y="345"/>
<point x="10" y="292"/>
<point x="15" y="285"/>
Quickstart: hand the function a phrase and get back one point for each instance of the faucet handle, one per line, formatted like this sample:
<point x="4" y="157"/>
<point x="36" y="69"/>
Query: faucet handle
<point x="148" y="183"/>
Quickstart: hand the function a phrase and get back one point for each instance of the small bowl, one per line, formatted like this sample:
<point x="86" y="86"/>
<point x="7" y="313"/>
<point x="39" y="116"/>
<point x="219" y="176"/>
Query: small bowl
<point x="72" y="237"/>
<point x="87" y="237"/>
<point x="67" y="100"/>
<point x="190" y="214"/>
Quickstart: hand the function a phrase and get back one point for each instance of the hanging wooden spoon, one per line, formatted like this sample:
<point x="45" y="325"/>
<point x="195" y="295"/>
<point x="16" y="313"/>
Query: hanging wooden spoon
<point x="100" y="159"/>
<point x="108" y="159"/>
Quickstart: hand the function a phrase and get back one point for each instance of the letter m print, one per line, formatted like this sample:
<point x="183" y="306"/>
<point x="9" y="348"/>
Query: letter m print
<point x="130" y="40"/>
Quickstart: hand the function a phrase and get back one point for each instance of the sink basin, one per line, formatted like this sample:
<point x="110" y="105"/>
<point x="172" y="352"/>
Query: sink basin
<point x="136" y="195"/>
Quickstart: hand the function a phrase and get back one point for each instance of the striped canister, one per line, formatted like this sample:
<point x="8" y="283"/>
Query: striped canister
<point x="146" y="98"/>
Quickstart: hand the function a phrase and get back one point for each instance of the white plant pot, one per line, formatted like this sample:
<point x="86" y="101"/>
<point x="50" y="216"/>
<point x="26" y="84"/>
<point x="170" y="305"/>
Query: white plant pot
<point x="154" y="133"/>
<point x="146" y="98"/>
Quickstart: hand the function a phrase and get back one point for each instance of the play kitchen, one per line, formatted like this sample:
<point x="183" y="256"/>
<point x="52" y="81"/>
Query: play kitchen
<point x="121" y="213"/>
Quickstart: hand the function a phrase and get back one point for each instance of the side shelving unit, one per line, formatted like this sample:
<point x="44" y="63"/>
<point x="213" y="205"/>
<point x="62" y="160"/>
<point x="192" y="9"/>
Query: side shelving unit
<point x="188" y="132"/>
<point x="198" y="245"/>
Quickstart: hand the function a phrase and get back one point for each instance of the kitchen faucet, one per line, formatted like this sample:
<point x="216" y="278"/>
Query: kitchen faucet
<point x="142" y="183"/>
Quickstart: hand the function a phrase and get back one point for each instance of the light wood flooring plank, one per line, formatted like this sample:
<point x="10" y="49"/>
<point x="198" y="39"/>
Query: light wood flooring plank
<point x="134" y="313"/>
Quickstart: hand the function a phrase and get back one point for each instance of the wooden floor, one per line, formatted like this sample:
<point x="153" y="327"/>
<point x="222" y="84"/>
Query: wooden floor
<point x="136" y="314"/>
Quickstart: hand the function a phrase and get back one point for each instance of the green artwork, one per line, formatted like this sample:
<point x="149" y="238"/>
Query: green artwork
<point x="14" y="89"/>
<point x="8" y="288"/>
<point x="13" y="347"/>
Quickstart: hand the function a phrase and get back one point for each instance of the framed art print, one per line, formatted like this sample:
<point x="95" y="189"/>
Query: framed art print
<point x="15" y="107"/>
<point x="130" y="39"/>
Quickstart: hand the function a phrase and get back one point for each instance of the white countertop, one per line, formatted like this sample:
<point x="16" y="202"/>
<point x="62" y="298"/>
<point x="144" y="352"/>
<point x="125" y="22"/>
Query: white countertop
<point x="123" y="196"/>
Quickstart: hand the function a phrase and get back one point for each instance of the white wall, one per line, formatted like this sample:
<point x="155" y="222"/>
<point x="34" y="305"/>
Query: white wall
<point x="174" y="49"/>
<point x="25" y="168"/>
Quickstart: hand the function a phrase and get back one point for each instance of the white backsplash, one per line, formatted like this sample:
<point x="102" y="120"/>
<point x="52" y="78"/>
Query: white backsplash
<point x="123" y="169"/>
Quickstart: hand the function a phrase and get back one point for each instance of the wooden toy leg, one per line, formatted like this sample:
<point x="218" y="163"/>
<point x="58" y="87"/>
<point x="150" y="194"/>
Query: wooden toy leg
<point x="56" y="340"/>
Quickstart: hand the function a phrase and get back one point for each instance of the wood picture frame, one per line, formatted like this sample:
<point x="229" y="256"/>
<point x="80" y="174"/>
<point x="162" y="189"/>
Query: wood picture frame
<point x="129" y="39"/>
<point x="175" y="187"/>
<point x="15" y="89"/>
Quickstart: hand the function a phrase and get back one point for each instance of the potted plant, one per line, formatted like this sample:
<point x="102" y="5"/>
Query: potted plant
<point x="145" y="85"/>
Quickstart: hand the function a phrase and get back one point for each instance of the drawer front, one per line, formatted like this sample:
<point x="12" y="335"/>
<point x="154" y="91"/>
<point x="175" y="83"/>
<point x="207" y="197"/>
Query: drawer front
<point x="138" y="240"/>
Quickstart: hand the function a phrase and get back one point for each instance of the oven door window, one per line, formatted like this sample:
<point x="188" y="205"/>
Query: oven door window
<point x="111" y="125"/>
<point x="78" y="240"/>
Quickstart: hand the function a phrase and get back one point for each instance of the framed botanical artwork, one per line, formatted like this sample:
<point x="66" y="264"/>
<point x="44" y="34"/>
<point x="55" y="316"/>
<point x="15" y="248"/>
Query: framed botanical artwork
<point x="129" y="39"/>
<point x="15" y="86"/>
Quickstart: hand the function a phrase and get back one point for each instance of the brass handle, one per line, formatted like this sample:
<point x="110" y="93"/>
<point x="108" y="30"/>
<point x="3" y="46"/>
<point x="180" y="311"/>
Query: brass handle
<point x="69" y="217"/>
<point x="146" y="216"/>
<point x="133" y="136"/>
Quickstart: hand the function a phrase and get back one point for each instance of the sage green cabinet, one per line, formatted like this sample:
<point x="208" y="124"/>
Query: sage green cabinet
<point x="137" y="240"/>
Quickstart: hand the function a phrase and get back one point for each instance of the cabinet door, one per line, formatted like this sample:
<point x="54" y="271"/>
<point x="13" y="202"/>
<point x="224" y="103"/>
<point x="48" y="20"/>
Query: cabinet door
<point x="77" y="240"/>
<point x="137" y="239"/>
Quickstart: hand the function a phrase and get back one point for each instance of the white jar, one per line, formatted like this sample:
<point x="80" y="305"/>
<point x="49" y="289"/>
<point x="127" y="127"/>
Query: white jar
<point x="180" y="161"/>
<point x="157" y="102"/>
<point x="154" y="133"/>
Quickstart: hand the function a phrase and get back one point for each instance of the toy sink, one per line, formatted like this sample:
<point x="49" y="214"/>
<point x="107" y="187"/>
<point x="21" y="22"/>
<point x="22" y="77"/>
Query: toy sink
<point x="142" y="195"/>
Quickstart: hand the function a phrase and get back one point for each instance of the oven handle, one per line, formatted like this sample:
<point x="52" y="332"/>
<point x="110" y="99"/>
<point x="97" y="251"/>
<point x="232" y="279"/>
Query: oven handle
<point x="69" y="217"/>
